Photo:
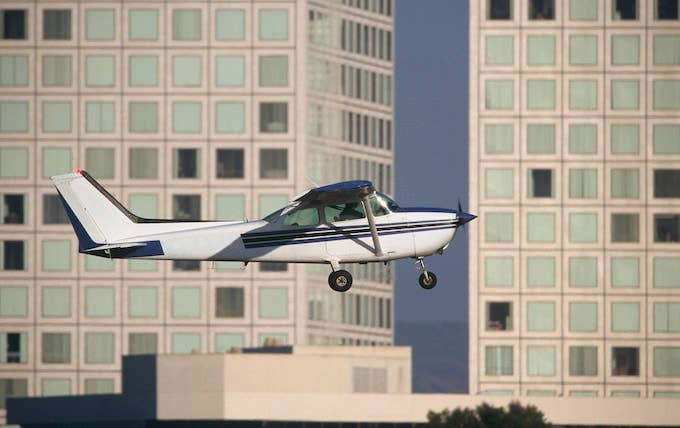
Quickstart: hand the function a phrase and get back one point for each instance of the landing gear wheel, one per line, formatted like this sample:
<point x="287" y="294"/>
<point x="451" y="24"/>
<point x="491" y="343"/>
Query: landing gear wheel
<point x="427" y="281"/>
<point x="340" y="280"/>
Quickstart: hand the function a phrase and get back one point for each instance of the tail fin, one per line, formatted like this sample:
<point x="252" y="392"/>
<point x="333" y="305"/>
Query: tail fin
<point x="97" y="217"/>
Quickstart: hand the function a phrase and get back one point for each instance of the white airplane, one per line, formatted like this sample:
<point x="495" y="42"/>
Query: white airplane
<point x="347" y="222"/>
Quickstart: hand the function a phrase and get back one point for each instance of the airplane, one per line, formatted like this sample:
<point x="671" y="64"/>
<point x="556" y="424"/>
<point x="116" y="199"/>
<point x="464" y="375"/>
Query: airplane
<point x="347" y="222"/>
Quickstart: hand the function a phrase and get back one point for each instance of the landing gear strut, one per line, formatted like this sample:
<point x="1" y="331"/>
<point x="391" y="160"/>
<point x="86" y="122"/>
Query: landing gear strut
<point x="427" y="279"/>
<point x="340" y="280"/>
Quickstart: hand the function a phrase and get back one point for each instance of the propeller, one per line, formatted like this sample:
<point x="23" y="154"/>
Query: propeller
<point x="464" y="218"/>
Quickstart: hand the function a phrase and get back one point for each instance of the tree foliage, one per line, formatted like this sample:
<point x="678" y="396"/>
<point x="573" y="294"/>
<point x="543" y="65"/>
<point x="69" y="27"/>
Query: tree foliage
<point x="488" y="416"/>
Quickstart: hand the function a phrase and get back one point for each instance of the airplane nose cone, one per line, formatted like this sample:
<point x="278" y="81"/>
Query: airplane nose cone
<point x="465" y="217"/>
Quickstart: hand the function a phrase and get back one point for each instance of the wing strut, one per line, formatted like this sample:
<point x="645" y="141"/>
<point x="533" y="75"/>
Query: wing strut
<point x="371" y="223"/>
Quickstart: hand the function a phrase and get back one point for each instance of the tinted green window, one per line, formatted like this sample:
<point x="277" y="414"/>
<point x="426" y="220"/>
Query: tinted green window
<point x="498" y="138"/>
<point x="186" y="70"/>
<point x="143" y="163"/>
<point x="583" y="316"/>
<point x="625" y="139"/>
<point x="667" y="317"/>
<point x="13" y="302"/>
<point x="625" y="50"/>
<point x="100" y="70"/>
<point x="273" y="24"/>
<point x="274" y="70"/>
<point x="498" y="271"/>
<point x="625" y="272"/>
<point x="499" y="94"/>
<point x="541" y="94"/>
<point x="56" y="302"/>
<point x="666" y="94"/>
<point x="540" y="360"/>
<point x="583" y="94"/>
<point x="100" y="162"/>
<point x="13" y="162"/>
<point x="270" y="203"/>
<point x="583" y="272"/>
<point x="666" y="361"/>
<point x="540" y="50"/>
<point x="56" y="70"/>
<point x="499" y="227"/>
<point x="100" y="24"/>
<point x="99" y="348"/>
<point x="230" y="24"/>
<point x="98" y="386"/>
<point x="273" y="302"/>
<point x="625" y="317"/>
<point x="226" y="341"/>
<point x="100" y="117"/>
<point x="583" y="10"/>
<point x="667" y="50"/>
<point x="143" y="70"/>
<point x="144" y="205"/>
<point x="582" y="138"/>
<point x="582" y="362"/>
<point x="540" y="227"/>
<point x="56" y="117"/>
<point x="186" y="302"/>
<point x="582" y="227"/>
<point x="99" y="264"/>
<point x="499" y="183"/>
<point x="667" y="139"/>
<point x="186" y="24"/>
<point x="230" y="70"/>
<point x="99" y="302"/>
<point x="583" y="50"/>
<point x="14" y="70"/>
<point x="13" y="116"/>
<point x="625" y="94"/>
<point x="666" y="272"/>
<point x="186" y="343"/>
<point x="143" y="117"/>
<point x="540" y="316"/>
<point x="498" y="360"/>
<point x="499" y="50"/>
<point x="186" y="118"/>
<point x="541" y="272"/>
<point x="279" y="338"/>
<point x="142" y="302"/>
<point x="583" y="183"/>
<point x="143" y="24"/>
<point x="230" y="118"/>
<point x="230" y="207"/>
<point x="625" y="183"/>
<point x="56" y="255"/>
<point x="55" y="387"/>
<point x="540" y="139"/>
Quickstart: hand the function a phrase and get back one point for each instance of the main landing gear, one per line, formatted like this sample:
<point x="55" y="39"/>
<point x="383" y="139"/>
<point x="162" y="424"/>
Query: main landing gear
<point x="427" y="279"/>
<point x="340" y="280"/>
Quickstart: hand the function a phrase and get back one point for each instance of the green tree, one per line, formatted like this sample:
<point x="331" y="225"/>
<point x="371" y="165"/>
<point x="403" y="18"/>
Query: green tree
<point x="488" y="416"/>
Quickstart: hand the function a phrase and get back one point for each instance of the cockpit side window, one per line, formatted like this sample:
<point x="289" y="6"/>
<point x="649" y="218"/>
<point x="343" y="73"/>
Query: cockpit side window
<point x="303" y="217"/>
<point x="378" y="206"/>
<point x="343" y="212"/>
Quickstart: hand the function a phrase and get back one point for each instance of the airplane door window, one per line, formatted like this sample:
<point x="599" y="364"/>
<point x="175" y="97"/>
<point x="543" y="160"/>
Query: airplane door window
<point x="343" y="212"/>
<point x="304" y="217"/>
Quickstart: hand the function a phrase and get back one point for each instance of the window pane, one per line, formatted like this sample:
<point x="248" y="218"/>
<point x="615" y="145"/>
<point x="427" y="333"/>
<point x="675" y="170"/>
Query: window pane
<point x="99" y="302"/>
<point x="499" y="183"/>
<point x="666" y="139"/>
<point x="667" y="183"/>
<point x="143" y="117"/>
<point x="666" y="361"/>
<point x="230" y="70"/>
<point x="224" y="342"/>
<point x="625" y="50"/>
<point x="666" y="94"/>
<point x="186" y="302"/>
<point x="14" y="70"/>
<point x="666" y="9"/>
<point x="582" y="138"/>
<point x="99" y="348"/>
<point x="541" y="360"/>
<point x="625" y="272"/>
<point x="582" y="227"/>
<point x="499" y="9"/>
<point x="666" y="272"/>
<point x="274" y="70"/>
<point x="143" y="24"/>
<point x="186" y="70"/>
<point x="230" y="24"/>
<point x="56" y="348"/>
<point x="100" y="24"/>
<point x="144" y="205"/>
<point x="55" y="387"/>
<point x="667" y="317"/>
<point x="624" y="10"/>
<point x="56" y="70"/>
<point x="498" y="316"/>
<point x="499" y="271"/>
<point x="541" y="9"/>
<point x="540" y="227"/>
<point x="499" y="50"/>
<point x="230" y="163"/>
<point x="499" y="227"/>
<point x="270" y="203"/>
<point x="186" y="163"/>
<point x="230" y="118"/>
<point x="273" y="339"/>
<point x="56" y="302"/>
<point x="100" y="70"/>
<point x="625" y="139"/>
<point x="142" y="343"/>
<point x="582" y="272"/>
<point x="625" y="228"/>
<point x="12" y="27"/>
<point x="230" y="207"/>
<point x="229" y="302"/>
<point x="499" y="94"/>
<point x="13" y="162"/>
<point x="540" y="316"/>
<point x="56" y="255"/>
<point x="13" y="255"/>
<point x="100" y="117"/>
<point x="13" y="301"/>
<point x="582" y="361"/>
<point x="56" y="24"/>
<point x="143" y="163"/>
<point x="540" y="183"/>
<point x="186" y="343"/>
<point x="625" y="94"/>
<point x="540" y="50"/>
<point x="583" y="50"/>
<point x="98" y="386"/>
<point x="667" y="50"/>
<point x="273" y="302"/>
<point x="498" y="139"/>
<point x="186" y="207"/>
<point x="186" y="24"/>
<point x="14" y="116"/>
<point x="498" y="360"/>
<point x="583" y="10"/>
<point x="273" y="24"/>
<point x="583" y="316"/>
<point x="540" y="139"/>
<point x="541" y="272"/>
<point x="142" y="302"/>
<point x="274" y="117"/>
<point x="100" y="162"/>
<point x="625" y="317"/>
<point x="143" y="70"/>
<point x="583" y="94"/>
<point x="583" y="183"/>
<point x="186" y="118"/>
<point x="99" y="264"/>
<point x="13" y="209"/>
<point x="541" y="94"/>
<point x="56" y="117"/>
<point x="625" y="183"/>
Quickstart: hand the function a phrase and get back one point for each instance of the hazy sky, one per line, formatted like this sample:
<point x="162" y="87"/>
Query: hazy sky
<point x="431" y="145"/>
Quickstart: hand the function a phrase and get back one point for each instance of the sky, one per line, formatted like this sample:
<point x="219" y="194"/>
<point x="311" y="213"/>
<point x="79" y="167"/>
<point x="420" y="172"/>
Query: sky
<point x="431" y="145"/>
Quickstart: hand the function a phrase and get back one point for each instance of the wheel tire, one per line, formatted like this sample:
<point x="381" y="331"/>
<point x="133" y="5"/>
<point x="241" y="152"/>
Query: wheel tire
<point x="340" y="280"/>
<point x="428" y="285"/>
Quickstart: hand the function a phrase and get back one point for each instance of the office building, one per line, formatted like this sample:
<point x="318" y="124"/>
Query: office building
<point x="182" y="109"/>
<point x="574" y="172"/>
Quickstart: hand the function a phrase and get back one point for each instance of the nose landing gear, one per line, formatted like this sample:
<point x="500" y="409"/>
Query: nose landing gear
<point x="427" y="279"/>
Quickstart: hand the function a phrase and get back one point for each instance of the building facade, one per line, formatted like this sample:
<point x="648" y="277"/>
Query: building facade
<point x="182" y="109"/>
<point x="574" y="154"/>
